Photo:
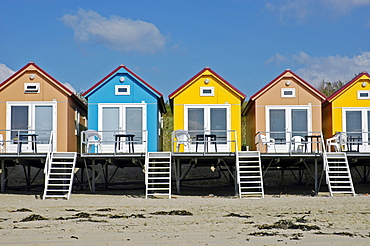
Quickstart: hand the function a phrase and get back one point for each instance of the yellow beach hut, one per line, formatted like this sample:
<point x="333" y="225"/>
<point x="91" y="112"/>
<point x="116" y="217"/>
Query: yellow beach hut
<point x="208" y="109"/>
<point x="347" y="111"/>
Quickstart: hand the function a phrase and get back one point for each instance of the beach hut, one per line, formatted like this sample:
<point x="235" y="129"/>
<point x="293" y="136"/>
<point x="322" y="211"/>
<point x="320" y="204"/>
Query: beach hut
<point x="125" y="112"/>
<point x="39" y="114"/>
<point x="347" y="111"/>
<point x="207" y="109"/>
<point x="284" y="116"/>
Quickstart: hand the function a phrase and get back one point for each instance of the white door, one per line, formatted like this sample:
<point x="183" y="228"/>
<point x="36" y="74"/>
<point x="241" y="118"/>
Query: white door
<point x="37" y="118"/>
<point x="283" y="123"/>
<point x="211" y="122"/>
<point x="122" y="119"/>
<point x="356" y="124"/>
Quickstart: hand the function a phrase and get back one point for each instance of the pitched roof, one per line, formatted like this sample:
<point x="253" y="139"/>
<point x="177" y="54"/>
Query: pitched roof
<point x="286" y="74"/>
<point x="97" y="85"/>
<point x="26" y="67"/>
<point x="115" y="71"/>
<point x="346" y="86"/>
<point x="190" y="81"/>
<point x="29" y="66"/>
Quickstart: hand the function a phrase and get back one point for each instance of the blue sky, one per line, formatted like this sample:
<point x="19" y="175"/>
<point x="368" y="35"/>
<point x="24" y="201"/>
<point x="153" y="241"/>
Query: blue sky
<point x="166" y="42"/>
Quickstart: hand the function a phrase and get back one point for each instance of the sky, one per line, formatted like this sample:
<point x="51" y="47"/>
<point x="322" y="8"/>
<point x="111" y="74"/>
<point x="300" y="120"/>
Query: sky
<point x="166" y="42"/>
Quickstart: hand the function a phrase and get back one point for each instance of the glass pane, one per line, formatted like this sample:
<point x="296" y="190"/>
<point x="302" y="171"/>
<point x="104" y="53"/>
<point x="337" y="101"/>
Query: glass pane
<point x="195" y="121"/>
<point x="19" y="120"/>
<point x="299" y="122"/>
<point x="277" y="125"/>
<point x="218" y="122"/>
<point x="134" y="123"/>
<point x="44" y="122"/>
<point x="354" y="124"/>
<point x="110" y="123"/>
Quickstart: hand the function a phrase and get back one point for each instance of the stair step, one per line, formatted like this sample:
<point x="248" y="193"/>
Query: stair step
<point x="158" y="167"/>
<point x="157" y="188"/>
<point x="250" y="182"/>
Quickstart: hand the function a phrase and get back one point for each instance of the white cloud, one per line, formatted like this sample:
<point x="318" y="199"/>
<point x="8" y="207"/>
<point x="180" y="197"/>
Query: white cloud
<point x="115" y="32"/>
<point x="290" y="9"/>
<point x="332" y="68"/>
<point x="5" y="72"/>
<point x="344" y="6"/>
<point x="301" y="9"/>
<point x="70" y="87"/>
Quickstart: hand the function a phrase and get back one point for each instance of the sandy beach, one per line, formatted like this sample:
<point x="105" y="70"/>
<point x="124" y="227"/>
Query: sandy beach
<point x="88" y="219"/>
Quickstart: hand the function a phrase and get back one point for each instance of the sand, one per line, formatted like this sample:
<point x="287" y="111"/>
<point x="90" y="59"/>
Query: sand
<point x="88" y="219"/>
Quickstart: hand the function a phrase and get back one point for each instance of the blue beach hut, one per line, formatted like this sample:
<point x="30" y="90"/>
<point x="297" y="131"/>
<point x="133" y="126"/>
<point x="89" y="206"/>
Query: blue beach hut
<point x="124" y="114"/>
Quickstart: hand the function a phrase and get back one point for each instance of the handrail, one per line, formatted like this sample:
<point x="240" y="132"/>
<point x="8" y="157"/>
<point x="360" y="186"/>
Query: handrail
<point x="282" y="142"/>
<point x="228" y="137"/>
<point x="142" y="134"/>
<point x="48" y="156"/>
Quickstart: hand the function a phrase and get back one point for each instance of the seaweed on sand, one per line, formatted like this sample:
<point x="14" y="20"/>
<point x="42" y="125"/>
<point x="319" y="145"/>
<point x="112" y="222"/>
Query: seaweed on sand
<point x="33" y="217"/>
<point x="288" y="224"/>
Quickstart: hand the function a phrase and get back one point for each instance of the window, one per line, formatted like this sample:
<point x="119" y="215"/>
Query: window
<point x="207" y="91"/>
<point x="288" y="92"/>
<point x="31" y="87"/>
<point x="122" y="90"/>
<point x="363" y="94"/>
<point x="34" y="118"/>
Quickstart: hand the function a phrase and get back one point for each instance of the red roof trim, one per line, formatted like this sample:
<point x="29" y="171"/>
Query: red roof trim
<point x="254" y="97"/>
<point x="198" y="74"/>
<point x="113" y="72"/>
<point x="42" y="71"/>
<point x="330" y="98"/>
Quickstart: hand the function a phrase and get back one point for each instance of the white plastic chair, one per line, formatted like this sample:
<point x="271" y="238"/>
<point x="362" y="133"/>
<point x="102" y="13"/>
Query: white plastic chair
<point x="1" y="143"/>
<point x="298" y="144"/>
<point x="268" y="142"/>
<point x="338" y="141"/>
<point x="183" y="138"/>
<point x="93" y="138"/>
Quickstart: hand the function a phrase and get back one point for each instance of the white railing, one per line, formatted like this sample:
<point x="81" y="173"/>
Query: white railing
<point x="48" y="157"/>
<point x="349" y="142"/>
<point x="25" y="141"/>
<point x="114" y="142"/>
<point x="204" y="141"/>
<point x="290" y="142"/>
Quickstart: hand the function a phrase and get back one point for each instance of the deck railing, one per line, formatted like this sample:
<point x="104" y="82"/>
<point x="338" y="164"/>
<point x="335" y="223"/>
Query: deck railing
<point x="114" y="142"/>
<point x="26" y="141"/>
<point x="290" y="142"/>
<point x="193" y="141"/>
<point x="349" y="142"/>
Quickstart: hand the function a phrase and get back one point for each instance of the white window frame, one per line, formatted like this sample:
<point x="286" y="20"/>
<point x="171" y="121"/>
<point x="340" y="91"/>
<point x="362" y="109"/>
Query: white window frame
<point x="202" y="89"/>
<point x="31" y="120"/>
<point x="363" y="111"/>
<point x="30" y="91"/>
<point x="283" y="90"/>
<point x="207" y="120"/>
<point x="122" y="107"/>
<point x="288" y="116"/>
<point x="127" y="87"/>
<point x="363" y="98"/>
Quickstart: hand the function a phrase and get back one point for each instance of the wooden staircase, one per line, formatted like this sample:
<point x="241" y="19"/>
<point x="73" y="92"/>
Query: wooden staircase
<point x="59" y="172"/>
<point x="338" y="175"/>
<point x="249" y="174"/>
<point x="158" y="174"/>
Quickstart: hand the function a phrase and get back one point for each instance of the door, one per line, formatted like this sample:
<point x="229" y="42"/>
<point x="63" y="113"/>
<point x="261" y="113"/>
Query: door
<point x="30" y="118"/>
<point x="284" y="123"/>
<point x="356" y="124"/>
<point x="208" y="127"/>
<point x="126" y="119"/>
